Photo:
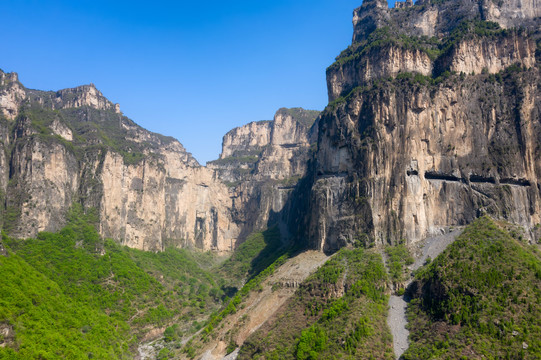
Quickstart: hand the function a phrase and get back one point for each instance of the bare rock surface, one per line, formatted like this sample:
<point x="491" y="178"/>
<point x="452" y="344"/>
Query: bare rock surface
<point x="262" y="162"/>
<point x="406" y="159"/>
<point x="147" y="190"/>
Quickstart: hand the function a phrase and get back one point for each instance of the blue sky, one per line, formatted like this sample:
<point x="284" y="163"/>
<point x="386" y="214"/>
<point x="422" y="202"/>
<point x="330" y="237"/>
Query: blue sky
<point x="189" y="69"/>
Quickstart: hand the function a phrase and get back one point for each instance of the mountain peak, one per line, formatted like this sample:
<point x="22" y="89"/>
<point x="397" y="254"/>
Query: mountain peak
<point x="84" y="95"/>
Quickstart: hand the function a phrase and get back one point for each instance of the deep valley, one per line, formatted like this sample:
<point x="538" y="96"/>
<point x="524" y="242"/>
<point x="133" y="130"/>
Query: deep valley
<point x="401" y="221"/>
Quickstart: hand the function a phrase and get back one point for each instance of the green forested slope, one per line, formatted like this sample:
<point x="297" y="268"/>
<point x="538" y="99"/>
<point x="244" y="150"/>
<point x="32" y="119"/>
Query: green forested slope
<point x="45" y="323"/>
<point x="338" y="312"/>
<point x="71" y="294"/>
<point x="481" y="298"/>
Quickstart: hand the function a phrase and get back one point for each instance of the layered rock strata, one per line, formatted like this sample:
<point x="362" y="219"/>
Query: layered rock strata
<point x="74" y="146"/>
<point x="430" y="38"/>
<point x="425" y="134"/>
<point x="263" y="161"/>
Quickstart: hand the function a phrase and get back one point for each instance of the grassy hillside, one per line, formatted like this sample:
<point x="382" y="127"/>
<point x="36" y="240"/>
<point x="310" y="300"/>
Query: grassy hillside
<point x="481" y="298"/>
<point x="338" y="312"/>
<point x="93" y="130"/>
<point x="252" y="256"/>
<point x="73" y="290"/>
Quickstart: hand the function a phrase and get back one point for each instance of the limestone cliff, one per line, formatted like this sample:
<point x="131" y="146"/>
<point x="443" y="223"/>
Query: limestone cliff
<point x="74" y="146"/>
<point x="441" y="17"/>
<point x="262" y="163"/>
<point x="435" y="118"/>
<point x="11" y="94"/>
<point x="432" y="37"/>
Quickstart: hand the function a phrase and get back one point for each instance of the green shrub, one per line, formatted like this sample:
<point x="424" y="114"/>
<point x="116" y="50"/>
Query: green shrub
<point x="399" y="257"/>
<point x="311" y="343"/>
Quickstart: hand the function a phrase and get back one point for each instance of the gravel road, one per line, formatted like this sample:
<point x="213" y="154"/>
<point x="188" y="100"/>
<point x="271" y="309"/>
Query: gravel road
<point x="397" y="321"/>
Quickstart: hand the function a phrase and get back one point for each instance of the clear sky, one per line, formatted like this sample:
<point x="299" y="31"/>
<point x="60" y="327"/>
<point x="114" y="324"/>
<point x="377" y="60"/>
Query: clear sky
<point x="188" y="69"/>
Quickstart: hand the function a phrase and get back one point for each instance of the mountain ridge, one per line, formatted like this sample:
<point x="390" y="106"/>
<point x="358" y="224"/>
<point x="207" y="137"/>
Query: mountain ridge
<point x="116" y="165"/>
<point x="433" y="124"/>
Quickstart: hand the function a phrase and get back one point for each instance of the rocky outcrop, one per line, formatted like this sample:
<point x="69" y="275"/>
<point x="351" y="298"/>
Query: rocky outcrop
<point x="376" y="63"/>
<point x="290" y="140"/>
<point x="241" y="149"/>
<point x="514" y="13"/>
<point x="43" y="183"/>
<point x="421" y="40"/>
<point x="74" y="146"/>
<point x="4" y="162"/>
<point x="148" y="190"/>
<point x="81" y="96"/>
<point x="154" y="204"/>
<point x="86" y="95"/>
<point x="372" y="14"/>
<point x="404" y="157"/>
<point x="432" y="158"/>
<point x="262" y="163"/>
<point x="439" y="18"/>
<point x="249" y="139"/>
<point x="490" y="55"/>
<point x="12" y="94"/>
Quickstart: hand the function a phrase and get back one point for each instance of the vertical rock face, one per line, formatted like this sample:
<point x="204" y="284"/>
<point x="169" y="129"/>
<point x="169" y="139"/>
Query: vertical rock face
<point x="4" y="160"/>
<point x="249" y="139"/>
<point x="413" y="38"/>
<point x="371" y="15"/>
<point x="424" y="145"/>
<point x="150" y="193"/>
<point x="150" y="208"/>
<point x="74" y="146"/>
<point x="263" y="161"/>
<point x="11" y="94"/>
<point x="512" y="13"/>
<point x="241" y="149"/>
<point x="43" y="184"/>
<point x="440" y="18"/>
<point x="290" y="139"/>
<point x="375" y="64"/>
<point x="479" y="55"/>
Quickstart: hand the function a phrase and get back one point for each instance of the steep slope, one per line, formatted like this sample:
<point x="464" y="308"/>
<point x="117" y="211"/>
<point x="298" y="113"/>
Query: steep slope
<point x="264" y="302"/>
<point x="74" y="146"/>
<point x="67" y="329"/>
<point x="434" y="119"/>
<point x="479" y="299"/>
<point x="73" y="295"/>
<point x="338" y="312"/>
